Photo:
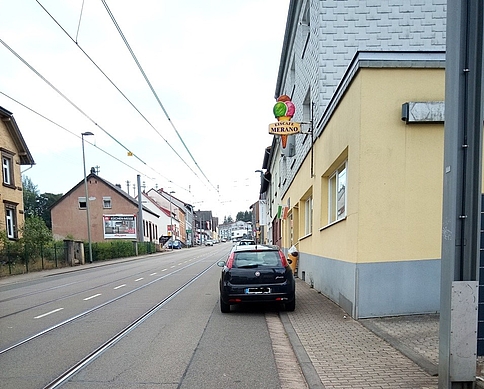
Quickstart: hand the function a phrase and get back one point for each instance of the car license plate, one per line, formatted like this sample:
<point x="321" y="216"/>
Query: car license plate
<point x="257" y="290"/>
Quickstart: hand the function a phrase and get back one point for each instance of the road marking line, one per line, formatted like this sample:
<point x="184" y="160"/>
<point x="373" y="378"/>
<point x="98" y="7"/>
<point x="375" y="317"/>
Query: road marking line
<point x="164" y="269"/>
<point x="153" y="274"/>
<point x="120" y="286"/>
<point x="48" y="313"/>
<point x="138" y="279"/>
<point x="172" y="267"/>
<point x="91" y="297"/>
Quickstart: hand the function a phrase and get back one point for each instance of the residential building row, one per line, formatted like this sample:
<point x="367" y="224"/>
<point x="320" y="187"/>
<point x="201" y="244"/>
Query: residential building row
<point x="359" y="190"/>
<point x="113" y="213"/>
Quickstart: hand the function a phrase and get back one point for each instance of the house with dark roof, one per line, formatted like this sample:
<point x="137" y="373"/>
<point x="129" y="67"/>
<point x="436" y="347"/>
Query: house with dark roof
<point x="14" y="153"/>
<point x="113" y="214"/>
<point x="181" y="215"/>
<point x="168" y="223"/>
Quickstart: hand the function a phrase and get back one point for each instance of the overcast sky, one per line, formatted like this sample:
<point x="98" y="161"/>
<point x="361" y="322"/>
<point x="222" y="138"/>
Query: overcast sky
<point x="212" y="64"/>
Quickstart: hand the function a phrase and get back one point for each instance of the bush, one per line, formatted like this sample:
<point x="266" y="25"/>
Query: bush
<point x="102" y="251"/>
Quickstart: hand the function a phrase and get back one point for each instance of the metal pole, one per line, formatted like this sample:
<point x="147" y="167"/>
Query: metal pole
<point x="140" y="234"/>
<point x="461" y="194"/>
<point x="87" y="197"/>
<point x="171" y="223"/>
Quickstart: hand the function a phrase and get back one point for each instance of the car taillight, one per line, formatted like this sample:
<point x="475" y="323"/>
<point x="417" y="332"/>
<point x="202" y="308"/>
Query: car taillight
<point x="283" y="259"/>
<point x="230" y="261"/>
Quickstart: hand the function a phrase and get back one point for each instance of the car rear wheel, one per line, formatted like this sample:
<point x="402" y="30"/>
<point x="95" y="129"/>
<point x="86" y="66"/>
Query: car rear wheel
<point x="225" y="308"/>
<point x="291" y="306"/>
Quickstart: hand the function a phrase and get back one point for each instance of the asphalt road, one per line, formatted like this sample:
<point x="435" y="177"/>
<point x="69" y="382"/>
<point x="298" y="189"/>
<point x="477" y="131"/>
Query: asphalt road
<point x="185" y="343"/>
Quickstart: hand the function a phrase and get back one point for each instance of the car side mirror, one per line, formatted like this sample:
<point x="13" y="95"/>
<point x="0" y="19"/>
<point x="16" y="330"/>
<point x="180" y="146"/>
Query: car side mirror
<point x="221" y="263"/>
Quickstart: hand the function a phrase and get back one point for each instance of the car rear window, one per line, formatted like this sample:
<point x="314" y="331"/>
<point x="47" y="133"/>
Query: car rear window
<point x="256" y="258"/>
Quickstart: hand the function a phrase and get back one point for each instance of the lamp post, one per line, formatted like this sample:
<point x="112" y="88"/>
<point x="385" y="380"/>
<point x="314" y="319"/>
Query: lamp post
<point x="171" y="222"/>
<point x="87" y="196"/>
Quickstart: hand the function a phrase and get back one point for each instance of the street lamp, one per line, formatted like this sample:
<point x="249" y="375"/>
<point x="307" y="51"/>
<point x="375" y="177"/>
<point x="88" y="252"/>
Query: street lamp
<point x="262" y="175"/>
<point x="87" y="196"/>
<point x="171" y="222"/>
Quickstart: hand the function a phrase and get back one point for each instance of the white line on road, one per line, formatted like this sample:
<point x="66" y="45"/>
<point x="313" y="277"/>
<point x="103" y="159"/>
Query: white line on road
<point x="153" y="274"/>
<point x="138" y="279"/>
<point x="172" y="267"/>
<point x="91" y="297"/>
<point x="120" y="286"/>
<point x="48" y="313"/>
<point x="164" y="269"/>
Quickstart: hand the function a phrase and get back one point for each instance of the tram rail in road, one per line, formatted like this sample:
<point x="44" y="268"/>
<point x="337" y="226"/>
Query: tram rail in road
<point x="101" y="349"/>
<point x="87" y="312"/>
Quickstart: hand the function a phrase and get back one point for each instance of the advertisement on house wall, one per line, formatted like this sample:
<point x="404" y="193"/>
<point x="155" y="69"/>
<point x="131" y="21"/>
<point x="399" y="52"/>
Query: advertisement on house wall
<point x="119" y="227"/>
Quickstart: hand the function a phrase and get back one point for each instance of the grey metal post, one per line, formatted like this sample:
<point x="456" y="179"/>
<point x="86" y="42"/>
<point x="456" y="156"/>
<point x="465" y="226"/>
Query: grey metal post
<point x="140" y="211"/>
<point x="87" y="133"/>
<point x="462" y="194"/>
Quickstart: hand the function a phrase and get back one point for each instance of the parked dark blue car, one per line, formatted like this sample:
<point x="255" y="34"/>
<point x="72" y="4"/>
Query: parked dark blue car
<point x="257" y="274"/>
<point x="174" y="244"/>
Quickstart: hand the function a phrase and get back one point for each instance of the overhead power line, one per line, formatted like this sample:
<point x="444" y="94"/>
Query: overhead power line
<point x="67" y="99"/>
<point x="119" y="90"/>
<point x="153" y="91"/>
<point x="92" y="144"/>
<point x="74" y="105"/>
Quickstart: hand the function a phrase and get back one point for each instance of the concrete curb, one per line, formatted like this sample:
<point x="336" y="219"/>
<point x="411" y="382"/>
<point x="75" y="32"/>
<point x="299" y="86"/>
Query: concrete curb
<point x="308" y="370"/>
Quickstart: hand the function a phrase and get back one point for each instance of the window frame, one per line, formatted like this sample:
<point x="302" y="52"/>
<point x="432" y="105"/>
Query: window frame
<point x="308" y="216"/>
<point x="107" y="204"/>
<point x="8" y="178"/>
<point x="11" y="220"/>
<point x="80" y="200"/>
<point x="336" y="206"/>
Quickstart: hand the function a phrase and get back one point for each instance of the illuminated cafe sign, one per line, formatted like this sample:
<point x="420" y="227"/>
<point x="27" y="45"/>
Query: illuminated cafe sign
<point x="284" y="128"/>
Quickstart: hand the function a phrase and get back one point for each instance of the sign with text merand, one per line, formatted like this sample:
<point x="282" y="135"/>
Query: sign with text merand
<point x="119" y="226"/>
<point x="284" y="128"/>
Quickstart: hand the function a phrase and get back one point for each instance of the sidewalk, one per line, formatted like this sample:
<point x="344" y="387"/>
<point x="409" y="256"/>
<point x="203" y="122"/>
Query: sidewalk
<point x="345" y="353"/>
<point x="335" y="351"/>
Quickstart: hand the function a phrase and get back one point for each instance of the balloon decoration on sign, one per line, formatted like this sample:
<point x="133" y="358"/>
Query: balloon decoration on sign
<point x="284" y="111"/>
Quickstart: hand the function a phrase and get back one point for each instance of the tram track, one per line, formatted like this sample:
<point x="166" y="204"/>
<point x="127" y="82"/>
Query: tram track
<point x="97" y="307"/>
<point x="63" y="297"/>
<point x="74" y="369"/>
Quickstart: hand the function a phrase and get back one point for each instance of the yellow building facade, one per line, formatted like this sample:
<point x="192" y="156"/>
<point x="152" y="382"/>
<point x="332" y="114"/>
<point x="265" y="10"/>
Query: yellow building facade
<point x="365" y="205"/>
<point x="14" y="153"/>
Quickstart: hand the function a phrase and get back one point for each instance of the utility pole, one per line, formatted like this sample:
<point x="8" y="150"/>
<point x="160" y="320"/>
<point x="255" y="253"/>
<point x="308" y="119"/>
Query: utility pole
<point x="462" y="194"/>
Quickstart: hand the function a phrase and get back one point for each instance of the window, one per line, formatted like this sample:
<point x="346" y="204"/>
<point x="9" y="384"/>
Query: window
<point x="11" y="220"/>
<point x="82" y="202"/>
<point x="106" y="202"/>
<point x="308" y="216"/>
<point x="304" y="25"/>
<point x="337" y="194"/>
<point x="7" y="168"/>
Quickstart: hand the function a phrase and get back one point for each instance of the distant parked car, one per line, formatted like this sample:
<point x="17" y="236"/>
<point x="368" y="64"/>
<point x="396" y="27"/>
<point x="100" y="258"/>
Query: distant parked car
<point x="176" y="244"/>
<point x="245" y="242"/>
<point x="257" y="274"/>
<point x="209" y="243"/>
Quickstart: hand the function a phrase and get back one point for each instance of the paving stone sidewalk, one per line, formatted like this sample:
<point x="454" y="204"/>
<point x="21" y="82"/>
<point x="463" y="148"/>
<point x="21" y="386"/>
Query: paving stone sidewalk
<point x="345" y="353"/>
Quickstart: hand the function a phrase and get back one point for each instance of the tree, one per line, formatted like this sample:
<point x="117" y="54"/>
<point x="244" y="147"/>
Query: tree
<point x="36" y="204"/>
<point x="30" y="193"/>
<point x="244" y="216"/>
<point x="44" y="202"/>
<point x="228" y="219"/>
<point x="35" y="233"/>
